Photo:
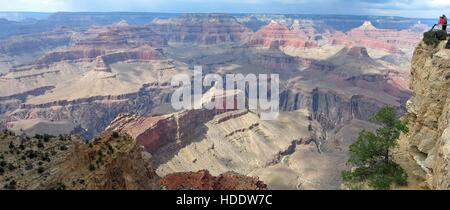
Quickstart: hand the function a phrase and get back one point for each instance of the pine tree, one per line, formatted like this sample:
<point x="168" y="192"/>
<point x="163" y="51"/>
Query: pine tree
<point x="370" y="155"/>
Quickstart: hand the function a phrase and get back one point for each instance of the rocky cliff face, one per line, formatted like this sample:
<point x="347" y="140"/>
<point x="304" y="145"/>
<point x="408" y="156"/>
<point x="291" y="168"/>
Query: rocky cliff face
<point x="278" y="35"/>
<point x="204" y="29"/>
<point x="118" y="42"/>
<point x="349" y="85"/>
<point x="66" y="162"/>
<point x="81" y="110"/>
<point x="21" y="44"/>
<point x="221" y="141"/>
<point x="429" y="115"/>
<point x="109" y="162"/>
<point x="156" y="132"/>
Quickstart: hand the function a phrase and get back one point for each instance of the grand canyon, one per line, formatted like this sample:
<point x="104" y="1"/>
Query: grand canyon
<point x="90" y="95"/>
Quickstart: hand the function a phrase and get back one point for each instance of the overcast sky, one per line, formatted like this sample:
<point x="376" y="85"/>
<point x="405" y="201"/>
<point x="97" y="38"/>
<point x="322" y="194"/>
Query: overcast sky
<point x="407" y="8"/>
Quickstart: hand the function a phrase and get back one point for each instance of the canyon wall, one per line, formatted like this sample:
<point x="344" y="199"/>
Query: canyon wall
<point x="429" y="116"/>
<point x="93" y="114"/>
<point x="207" y="29"/>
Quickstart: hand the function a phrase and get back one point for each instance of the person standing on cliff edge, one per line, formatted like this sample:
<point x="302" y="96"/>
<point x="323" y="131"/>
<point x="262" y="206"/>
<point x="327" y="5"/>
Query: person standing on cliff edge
<point x="444" y="26"/>
<point x="443" y="22"/>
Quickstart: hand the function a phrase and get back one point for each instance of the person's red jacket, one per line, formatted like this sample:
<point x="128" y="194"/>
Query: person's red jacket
<point x="441" y="21"/>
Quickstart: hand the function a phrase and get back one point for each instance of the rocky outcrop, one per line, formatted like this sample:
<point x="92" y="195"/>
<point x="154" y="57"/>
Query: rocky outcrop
<point x="332" y="109"/>
<point x="429" y="115"/>
<point x="204" y="29"/>
<point x="276" y="35"/>
<point x="100" y="65"/>
<point x="203" y="180"/>
<point x="109" y="162"/>
<point x="382" y="39"/>
<point x="156" y="132"/>
<point x="176" y="128"/>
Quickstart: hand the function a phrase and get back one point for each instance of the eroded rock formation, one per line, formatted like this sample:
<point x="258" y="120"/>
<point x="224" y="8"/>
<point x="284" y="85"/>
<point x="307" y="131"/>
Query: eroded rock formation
<point x="383" y="39"/>
<point x="429" y="115"/>
<point x="222" y="141"/>
<point x="202" y="29"/>
<point x="276" y="35"/>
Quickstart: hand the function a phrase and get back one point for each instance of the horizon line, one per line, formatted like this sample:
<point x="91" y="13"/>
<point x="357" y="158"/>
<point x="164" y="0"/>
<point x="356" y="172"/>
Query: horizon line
<point x="234" y="13"/>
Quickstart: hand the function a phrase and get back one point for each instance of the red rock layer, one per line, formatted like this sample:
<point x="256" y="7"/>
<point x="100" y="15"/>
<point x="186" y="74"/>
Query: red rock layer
<point x="202" y="29"/>
<point x="369" y="36"/>
<point x="121" y="35"/>
<point x="155" y="132"/>
<point x="277" y="35"/>
<point x="115" y="43"/>
<point x="203" y="180"/>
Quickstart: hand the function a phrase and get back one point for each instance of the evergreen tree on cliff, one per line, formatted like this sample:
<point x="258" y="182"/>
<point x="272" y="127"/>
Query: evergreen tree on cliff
<point x="370" y="155"/>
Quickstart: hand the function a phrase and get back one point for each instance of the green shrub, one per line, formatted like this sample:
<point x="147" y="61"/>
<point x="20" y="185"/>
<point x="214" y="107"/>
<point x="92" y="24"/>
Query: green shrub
<point x="40" y="145"/>
<point x="434" y="37"/>
<point x="11" y="145"/>
<point x="110" y="149"/>
<point x="31" y="154"/>
<point x="115" y="134"/>
<point x="46" y="138"/>
<point x="441" y="35"/>
<point x="11" y="185"/>
<point x="60" y="186"/>
<point x="62" y="138"/>
<point x="91" y="167"/>
<point x="46" y="157"/>
<point x="11" y="167"/>
<point x="22" y="147"/>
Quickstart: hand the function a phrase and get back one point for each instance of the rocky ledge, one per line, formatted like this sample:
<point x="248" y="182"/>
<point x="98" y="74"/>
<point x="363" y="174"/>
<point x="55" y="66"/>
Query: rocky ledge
<point x="429" y="116"/>
<point x="203" y="180"/>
